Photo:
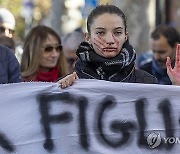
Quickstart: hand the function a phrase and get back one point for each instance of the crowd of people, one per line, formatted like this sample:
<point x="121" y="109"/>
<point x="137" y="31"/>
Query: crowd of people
<point x="103" y="53"/>
<point x="108" y="55"/>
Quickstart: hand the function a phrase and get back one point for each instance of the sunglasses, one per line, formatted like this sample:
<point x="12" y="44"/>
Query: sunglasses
<point x="50" y="48"/>
<point x="3" y="29"/>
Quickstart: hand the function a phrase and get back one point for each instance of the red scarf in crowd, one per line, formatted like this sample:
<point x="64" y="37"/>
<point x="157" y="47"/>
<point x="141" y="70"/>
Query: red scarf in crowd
<point x="50" y="76"/>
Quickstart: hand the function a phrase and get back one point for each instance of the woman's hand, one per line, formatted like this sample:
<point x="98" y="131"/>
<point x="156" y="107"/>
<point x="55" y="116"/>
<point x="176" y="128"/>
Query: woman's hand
<point x="101" y="43"/>
<point x="174" y="73"/>
<point x="68" y="80"/>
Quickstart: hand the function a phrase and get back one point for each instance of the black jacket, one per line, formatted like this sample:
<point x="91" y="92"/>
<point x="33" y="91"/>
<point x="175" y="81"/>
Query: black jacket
<point x="9" y="66"/>
<point x="86" y="70"/>
<point x="162" y="76"/>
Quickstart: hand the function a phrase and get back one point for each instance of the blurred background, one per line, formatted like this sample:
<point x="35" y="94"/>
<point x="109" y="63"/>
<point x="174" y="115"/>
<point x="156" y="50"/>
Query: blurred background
<point x="65" y="16"/>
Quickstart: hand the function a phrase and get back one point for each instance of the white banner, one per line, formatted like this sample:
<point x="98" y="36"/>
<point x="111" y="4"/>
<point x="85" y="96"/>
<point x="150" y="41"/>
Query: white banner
<point x="92" y="116"/>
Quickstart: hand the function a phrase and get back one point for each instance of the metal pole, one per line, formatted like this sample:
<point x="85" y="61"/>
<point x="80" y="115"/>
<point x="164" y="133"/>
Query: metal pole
<point x="158" y="13"/>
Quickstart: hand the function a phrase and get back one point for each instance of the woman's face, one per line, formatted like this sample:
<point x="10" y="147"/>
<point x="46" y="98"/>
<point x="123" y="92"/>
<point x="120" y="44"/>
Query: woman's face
<point x="50" y="53"/>
<point x="107" y="35"/>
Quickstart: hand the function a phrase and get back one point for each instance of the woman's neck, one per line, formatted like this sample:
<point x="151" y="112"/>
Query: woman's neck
<point x="44" y="69"/>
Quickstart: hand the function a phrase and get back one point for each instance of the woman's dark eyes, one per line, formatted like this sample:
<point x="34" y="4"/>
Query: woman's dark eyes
<point x="100" y="33"/>
<point x="117" y="33"/>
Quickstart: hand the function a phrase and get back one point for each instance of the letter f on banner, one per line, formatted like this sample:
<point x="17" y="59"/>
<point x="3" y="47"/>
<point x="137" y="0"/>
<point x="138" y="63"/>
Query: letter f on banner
<point x="45" y="100"/>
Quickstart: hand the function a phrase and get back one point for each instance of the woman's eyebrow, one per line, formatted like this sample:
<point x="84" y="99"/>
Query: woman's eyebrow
<point x="118" y="28"/>
<point x="100" y="28"/>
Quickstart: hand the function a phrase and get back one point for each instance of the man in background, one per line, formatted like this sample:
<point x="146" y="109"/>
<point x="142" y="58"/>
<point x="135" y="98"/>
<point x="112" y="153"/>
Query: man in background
<point x="70" y="44"/>
<point x="7" y="23"/>
<point x="163" y="42"/>
<point x="9" y="66"/>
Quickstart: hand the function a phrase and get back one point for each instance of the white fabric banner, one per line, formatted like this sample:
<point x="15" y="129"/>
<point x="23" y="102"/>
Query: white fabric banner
<point x="92" y="116"/>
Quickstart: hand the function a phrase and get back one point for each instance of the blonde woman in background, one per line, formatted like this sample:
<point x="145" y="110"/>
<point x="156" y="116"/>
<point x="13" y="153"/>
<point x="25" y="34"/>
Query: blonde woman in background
<point x="42" y="58"/>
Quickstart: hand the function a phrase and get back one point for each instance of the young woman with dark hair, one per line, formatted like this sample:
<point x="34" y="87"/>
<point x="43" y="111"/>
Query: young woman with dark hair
<point x="107" y="53"/>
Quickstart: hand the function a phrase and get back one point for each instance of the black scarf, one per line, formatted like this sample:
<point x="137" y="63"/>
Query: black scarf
<point x="104" y="66"/>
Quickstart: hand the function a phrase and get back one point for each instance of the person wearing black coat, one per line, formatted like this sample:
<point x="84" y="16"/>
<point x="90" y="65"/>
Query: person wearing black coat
<point x="9" y="66"/>
<point x="163" y="42"/>
<point x="107" y="53"/>
<point x="107" y="69"/>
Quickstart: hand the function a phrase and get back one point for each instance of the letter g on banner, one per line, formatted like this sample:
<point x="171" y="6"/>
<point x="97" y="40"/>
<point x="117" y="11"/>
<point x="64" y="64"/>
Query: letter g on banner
<point x="153" y="140"/>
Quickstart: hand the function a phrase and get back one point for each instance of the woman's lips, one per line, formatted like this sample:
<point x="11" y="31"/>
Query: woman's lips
<point x="109" y="49"/>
